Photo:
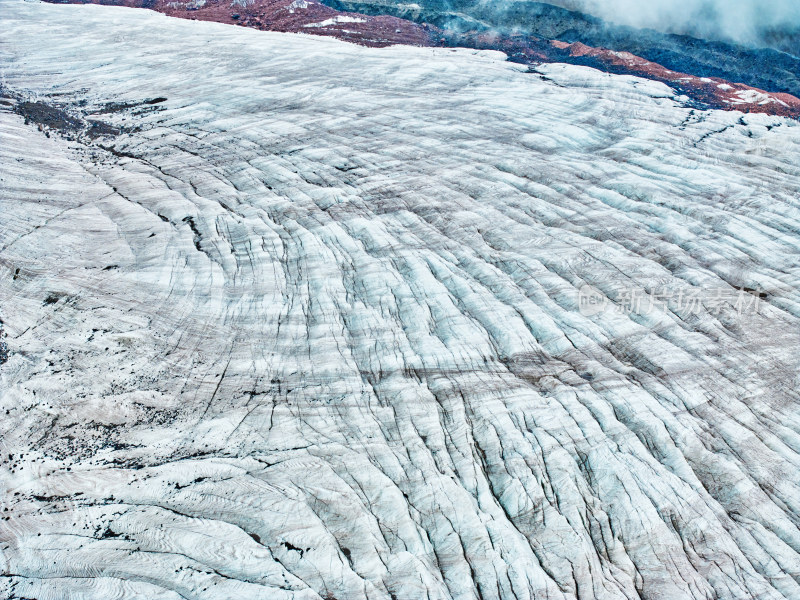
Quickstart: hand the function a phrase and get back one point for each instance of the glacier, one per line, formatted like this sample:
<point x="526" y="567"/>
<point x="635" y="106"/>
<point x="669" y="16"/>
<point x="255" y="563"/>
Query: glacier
<point x="289" y="317"/>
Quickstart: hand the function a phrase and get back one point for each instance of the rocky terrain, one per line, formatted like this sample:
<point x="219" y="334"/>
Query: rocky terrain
<point x="3" y="346"/>
<point x="290" y="317"/>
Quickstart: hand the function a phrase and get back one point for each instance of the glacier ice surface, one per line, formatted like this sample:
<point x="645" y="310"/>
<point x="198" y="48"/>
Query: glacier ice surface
<point x="310" y="328"/>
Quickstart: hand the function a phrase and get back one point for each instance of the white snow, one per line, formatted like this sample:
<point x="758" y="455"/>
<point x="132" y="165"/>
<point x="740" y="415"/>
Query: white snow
<point x="194" y="4"/>
<point x="755" y="97"/>
<point x="336" y="20"/>
<point x="297" y="4"/>
<point x="310" y="328"/>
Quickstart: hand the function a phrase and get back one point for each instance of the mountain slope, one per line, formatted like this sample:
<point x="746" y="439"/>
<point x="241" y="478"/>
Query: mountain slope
<point x="760" y="67"/>
<point x="513" y="29"/>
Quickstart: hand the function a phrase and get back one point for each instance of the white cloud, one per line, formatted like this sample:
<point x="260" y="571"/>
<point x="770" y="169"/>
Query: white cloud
<point x="739" y="20"/>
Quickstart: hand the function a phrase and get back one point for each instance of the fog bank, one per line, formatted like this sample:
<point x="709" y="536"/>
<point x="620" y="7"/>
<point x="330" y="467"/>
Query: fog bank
<point x="744" y="21"/>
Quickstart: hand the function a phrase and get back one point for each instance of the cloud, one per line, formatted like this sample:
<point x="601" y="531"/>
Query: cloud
<point x="744" y="21"/>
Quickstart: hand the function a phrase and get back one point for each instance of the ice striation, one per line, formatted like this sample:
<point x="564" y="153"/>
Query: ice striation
<point x="293" y="318"/>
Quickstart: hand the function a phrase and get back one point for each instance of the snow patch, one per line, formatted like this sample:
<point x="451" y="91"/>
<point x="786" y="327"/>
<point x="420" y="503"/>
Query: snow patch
<point x="336" y="20"/>
<point x="755" y="97"/>
<point x="297" y="4"/>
